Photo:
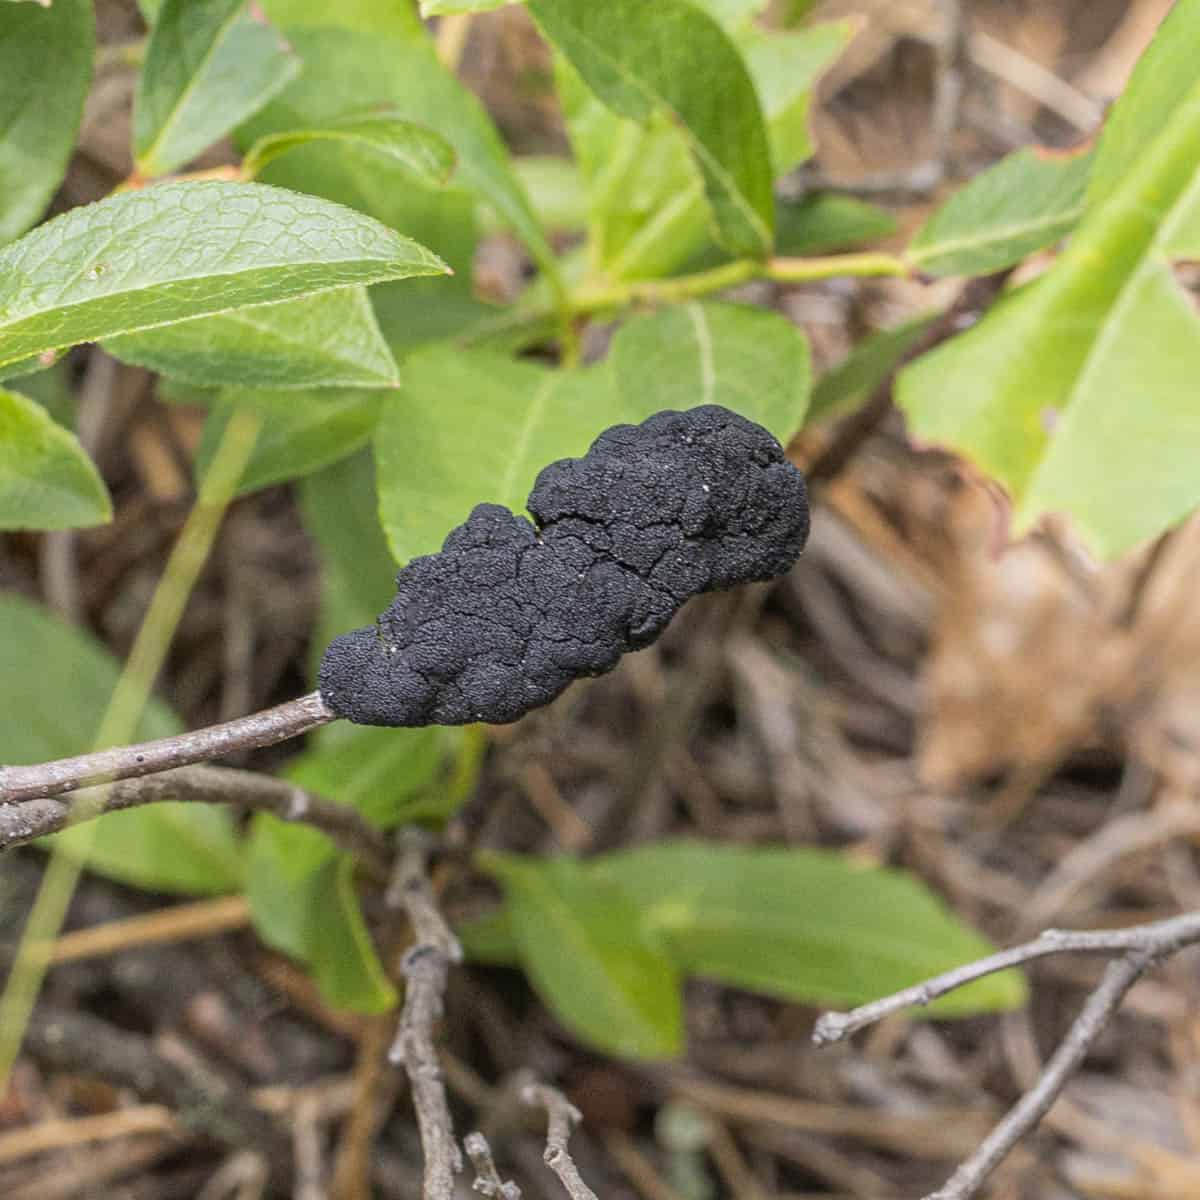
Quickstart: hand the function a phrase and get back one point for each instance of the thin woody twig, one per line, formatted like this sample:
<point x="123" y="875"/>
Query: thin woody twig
<point x="266" y="728"/>
<point x="426" y="967"/>
<point x="1134" y="950"/>
<point x="487" y="1178"/>
<point x="34" y="818"/>
<point x="561" y="1118"/>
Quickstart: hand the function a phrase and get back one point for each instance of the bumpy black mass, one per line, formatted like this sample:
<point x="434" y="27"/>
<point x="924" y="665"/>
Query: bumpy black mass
<point x="509" y="613"/>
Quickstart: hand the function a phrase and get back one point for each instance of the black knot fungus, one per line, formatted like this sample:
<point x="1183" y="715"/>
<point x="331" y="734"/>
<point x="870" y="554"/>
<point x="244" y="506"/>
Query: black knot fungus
<point x="509" y="613"/>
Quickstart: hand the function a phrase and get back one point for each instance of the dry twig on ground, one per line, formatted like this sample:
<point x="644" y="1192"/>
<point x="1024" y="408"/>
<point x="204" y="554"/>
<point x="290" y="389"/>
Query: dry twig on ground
<point x="1134" y="952"/>
<point x="425" y="966"/>
<point x="561" y="1118"/>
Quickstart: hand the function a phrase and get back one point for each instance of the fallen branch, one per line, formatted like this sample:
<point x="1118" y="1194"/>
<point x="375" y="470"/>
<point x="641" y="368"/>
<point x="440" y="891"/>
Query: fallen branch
<point x="26" y="820"/>
<point x="426" y="967"/>
<point x="1135" y="951"/>
<point x="266" y="728"/>
<point x="561" y="1118"/>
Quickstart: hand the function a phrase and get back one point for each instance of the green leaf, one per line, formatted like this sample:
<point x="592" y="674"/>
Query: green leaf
<point x="801" y="924"/>
<point x="341" y="511"/>
<point x="331" y="339"/>
<point x="441" y="8"/>
<point x="392" y="18"/>
<point x="583" y="945"/>
<point x="282" y="865"/>
<point x="386" y="774"/>
<point x="45" y="69"/>
<point x="1163" y="80"/>
<point x="170" y="847"/>
<point x="57" y="683"/>
<point x="207" y="69"/>
<point x="647" y="214"/>
<point x="731" y="13"/>
<point x="555" y="188"/>
<point x="53" y="388"/>
<point x="785" y="68"/>
<point x="394" y="68"/>
<point x="829" y="221"/>
<point x="489" y="939"/>
<point x="426" y="154"/>
<point x="342" y="956"/>
<point x="47" y="480"/>
<point x="640" y="60"/>
<point x="469" y="427"/>
<point x="1076" y="391"/>
<point x="1025" y="202"/>
<point x="301" y="431"/>
<point x="751" y="360"/>
<point x="866" y="366"/>
<point x="149" y="258"/>
<point x="304" y="903"/>
<point x="646" y="209"/>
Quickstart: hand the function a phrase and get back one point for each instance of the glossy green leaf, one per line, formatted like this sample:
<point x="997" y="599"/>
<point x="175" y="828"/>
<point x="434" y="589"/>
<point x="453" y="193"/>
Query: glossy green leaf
<point x="394" y="68"/>
<point x="583" y="945"/>
<point x="1025" y="202"/>
<point x="207" y="68"/>
<point x="640" y="60"/>
<point x="331" y="339"/>
<point x="57" y="683"/>
<point x="829" y="221"/>
<point x="426" y="154"/>
<point x="304" y="902"/>
<point x="852" y="381"/>
<point x="150" y="258"/>
<point x="1077" y="390"/>
<point x="469" y="427"/>
<point x="751" y="360"/>
<point x="301" y="431"/>
<point x="45" y="69"/>
<point x="47" y="480"/>
<point x="801" y="924"/>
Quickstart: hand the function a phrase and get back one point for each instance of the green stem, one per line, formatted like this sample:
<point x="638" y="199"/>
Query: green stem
<point x="603" y="298"/>
<point x="119" y="725"/>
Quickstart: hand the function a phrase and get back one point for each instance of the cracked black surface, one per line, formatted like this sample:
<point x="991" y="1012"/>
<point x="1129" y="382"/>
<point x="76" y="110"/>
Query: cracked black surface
<point x="509" y="613"/>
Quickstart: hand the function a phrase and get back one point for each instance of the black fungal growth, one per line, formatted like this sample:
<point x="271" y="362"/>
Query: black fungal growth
<point x="509" y="612"/>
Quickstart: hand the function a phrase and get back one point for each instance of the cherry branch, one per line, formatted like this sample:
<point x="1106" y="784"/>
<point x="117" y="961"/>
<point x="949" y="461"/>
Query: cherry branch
<point x="39" y="780"/>
<point x="28" y="820"/>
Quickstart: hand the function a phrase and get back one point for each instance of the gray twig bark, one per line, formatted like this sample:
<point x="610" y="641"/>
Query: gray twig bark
<point x="1134" y="951"/>
<point x="266" y="728"/>
<point x="561" y="1117"/>
<point x="426" y="967"/>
